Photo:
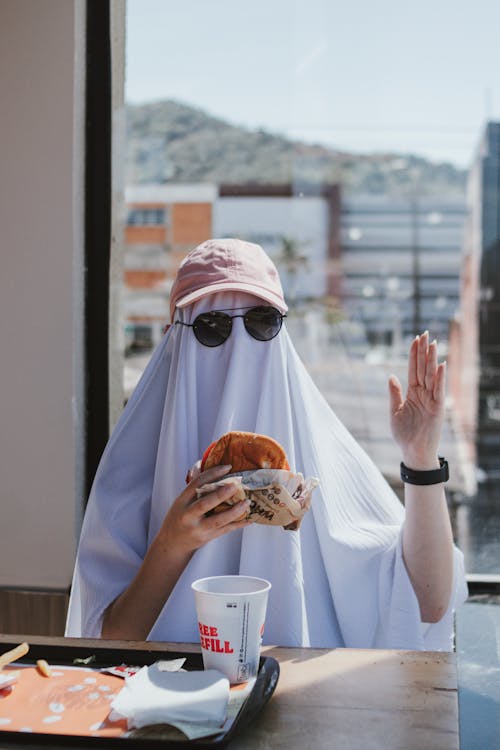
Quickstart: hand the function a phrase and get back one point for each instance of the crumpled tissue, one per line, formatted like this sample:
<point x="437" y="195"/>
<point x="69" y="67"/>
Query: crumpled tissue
<point x="154" y="696"/>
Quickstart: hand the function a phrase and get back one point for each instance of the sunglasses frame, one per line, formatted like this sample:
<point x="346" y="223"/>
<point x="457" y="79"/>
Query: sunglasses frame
<point x="225" y="315"/>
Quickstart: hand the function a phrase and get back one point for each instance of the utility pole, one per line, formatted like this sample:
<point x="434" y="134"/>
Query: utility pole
<point x="415" y="264"/>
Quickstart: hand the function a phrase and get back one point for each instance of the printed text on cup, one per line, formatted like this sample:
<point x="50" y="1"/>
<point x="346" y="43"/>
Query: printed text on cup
<point x="210" y="641"/>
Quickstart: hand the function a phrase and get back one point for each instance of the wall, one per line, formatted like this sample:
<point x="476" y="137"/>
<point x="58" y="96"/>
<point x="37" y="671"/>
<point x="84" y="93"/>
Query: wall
<point x="41" y="291"/>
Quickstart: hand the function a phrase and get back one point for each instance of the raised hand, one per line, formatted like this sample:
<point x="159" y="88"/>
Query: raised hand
<point x="416" y="421"/>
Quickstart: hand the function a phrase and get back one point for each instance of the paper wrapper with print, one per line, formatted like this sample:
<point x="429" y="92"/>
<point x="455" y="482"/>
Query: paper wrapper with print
<point x="277" y="497"/>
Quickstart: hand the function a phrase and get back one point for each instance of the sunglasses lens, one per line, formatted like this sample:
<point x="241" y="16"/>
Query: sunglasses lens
<point x="212" y="328"/>
<point x="263" y="323"/>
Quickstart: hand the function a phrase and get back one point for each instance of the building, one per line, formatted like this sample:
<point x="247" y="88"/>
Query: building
<point x="475" y="351"/>
<point x="163" y="222"/>
<point x="300" y="229"/>
<point x="401" y="265"/>
<point x="392" y="266"/>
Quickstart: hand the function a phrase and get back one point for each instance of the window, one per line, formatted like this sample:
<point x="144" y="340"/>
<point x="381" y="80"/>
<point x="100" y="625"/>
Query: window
<point x="144" y="217"/>
<point x="366" y="173"/>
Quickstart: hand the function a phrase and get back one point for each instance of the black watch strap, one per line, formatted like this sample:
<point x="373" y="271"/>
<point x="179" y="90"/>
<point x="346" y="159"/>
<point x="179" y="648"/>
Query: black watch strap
<point x="434" y="476"/>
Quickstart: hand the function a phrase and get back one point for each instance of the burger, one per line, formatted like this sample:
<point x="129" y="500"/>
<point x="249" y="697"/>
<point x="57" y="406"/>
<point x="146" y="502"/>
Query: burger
<point x="278" y="496"/>
<point x="245" y="451"/>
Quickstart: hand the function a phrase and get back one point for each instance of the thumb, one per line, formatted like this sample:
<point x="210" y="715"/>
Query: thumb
<point x="395" y="394"/>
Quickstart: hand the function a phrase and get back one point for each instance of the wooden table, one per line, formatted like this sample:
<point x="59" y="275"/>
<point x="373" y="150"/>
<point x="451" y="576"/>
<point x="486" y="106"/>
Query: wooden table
<point x="343" y="698"/>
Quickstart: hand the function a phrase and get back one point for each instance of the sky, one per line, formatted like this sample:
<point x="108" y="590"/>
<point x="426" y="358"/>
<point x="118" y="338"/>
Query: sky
<point x="358" y="75"/>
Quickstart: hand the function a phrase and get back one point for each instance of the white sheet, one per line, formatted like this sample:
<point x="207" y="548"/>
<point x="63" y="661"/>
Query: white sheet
<point x="339" y="581"/>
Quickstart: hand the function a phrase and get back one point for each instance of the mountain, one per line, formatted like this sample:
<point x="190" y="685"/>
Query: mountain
<point x="169" y="141"/>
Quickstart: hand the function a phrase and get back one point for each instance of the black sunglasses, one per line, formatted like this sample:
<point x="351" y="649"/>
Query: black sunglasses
<point x="214" y="327"/>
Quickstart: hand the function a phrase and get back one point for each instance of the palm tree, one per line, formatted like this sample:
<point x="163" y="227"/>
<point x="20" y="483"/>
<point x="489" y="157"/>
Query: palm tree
<point x="291" y="260"/>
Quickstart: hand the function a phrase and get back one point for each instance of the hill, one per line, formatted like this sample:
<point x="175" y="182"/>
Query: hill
<point x="169" y="141"/>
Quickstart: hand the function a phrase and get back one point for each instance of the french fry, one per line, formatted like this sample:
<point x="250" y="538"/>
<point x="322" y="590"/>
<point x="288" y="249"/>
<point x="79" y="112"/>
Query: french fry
<point x="44" y="668"/>
<point x="13" y="654"/>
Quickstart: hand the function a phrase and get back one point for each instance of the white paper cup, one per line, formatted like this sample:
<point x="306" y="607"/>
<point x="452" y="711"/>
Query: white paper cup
<point x="231" y="612"/>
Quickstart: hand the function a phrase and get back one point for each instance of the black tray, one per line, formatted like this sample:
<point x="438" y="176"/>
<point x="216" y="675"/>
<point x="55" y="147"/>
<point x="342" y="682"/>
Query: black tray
<point x="263" y="689"/>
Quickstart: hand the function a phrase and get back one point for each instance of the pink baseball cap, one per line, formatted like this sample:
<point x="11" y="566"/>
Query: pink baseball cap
<point x="226" y="264"/>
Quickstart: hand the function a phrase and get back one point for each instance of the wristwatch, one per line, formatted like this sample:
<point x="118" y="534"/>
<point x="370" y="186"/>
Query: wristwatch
<point x="434" y="476"/>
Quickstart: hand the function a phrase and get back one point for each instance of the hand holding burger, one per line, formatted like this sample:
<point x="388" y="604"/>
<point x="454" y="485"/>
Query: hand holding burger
<point x="277" y="496"/>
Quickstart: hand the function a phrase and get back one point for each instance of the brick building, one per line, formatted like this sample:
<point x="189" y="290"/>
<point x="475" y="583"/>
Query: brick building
<point x="301" y="233"/>
<point x="163" y="222"/>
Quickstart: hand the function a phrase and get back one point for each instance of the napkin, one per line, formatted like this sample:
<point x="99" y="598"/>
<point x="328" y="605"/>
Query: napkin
<point x="153" y="696"/>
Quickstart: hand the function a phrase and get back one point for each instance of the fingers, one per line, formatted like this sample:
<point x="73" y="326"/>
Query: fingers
<point x="423" y="368"/>
<point x="210" y="475"/>
<point x="237" y="508"/>
<point x="188" y="522"/>
<point x="395" y="394"/>
<point x="417" y="360"/>
<point x="211" y="500"/>
<point x="197" y="480"/>
<point x="431" y="368"/>
<point x="422" y="352"/>
<point x="194" y="472"/>
<point x="440" y="383"/>
<point x="241" y="524"/>
<point x="227" y="520"/>
<point x="412" y="362"/>
<point x="223" y="521"/>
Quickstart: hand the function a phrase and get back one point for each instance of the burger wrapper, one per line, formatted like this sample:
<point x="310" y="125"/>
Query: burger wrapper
<point x="277" y="497"/>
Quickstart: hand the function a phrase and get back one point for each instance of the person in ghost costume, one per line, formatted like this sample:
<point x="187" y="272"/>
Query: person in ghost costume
<point x="361" y="571"/>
